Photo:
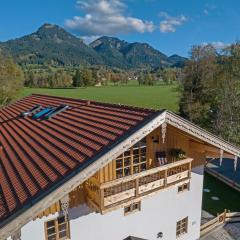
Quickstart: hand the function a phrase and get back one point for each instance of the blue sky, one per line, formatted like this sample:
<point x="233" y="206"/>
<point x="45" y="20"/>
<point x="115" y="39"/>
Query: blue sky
<point x="172" y="26"/>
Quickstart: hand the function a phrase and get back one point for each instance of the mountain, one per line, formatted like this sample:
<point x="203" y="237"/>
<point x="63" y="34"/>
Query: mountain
<point x="130" y="55"/>
<point x="109" y="49"/>
<point x="177" y="61"/>
<point x="51" y="44"/>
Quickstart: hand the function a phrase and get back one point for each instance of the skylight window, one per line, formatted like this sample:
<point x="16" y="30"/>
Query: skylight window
<point x="42" y="113"/>
<point x="33" y="110"/>
<point x="55" y="111"/>
<point x="49" y="112"/>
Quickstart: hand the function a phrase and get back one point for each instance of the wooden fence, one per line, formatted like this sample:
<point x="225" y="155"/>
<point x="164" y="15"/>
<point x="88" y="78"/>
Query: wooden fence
<point x="225" y="217"/>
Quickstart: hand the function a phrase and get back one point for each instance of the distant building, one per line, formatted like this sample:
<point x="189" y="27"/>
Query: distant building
<point x="77" y="169"/>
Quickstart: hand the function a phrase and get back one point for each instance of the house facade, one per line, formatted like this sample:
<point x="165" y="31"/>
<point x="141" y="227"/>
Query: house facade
<point x="78" y="169"/>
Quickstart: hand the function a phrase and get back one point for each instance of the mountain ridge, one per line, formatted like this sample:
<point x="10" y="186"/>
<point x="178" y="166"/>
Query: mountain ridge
<point x="51" y="44"/>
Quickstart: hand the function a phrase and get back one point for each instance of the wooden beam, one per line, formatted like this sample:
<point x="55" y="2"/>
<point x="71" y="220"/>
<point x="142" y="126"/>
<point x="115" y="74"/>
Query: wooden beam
<point x="207" y="149"/>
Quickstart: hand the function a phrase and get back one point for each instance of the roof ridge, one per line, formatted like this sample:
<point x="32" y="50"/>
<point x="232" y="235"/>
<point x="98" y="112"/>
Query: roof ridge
<point x="98" y="102"/>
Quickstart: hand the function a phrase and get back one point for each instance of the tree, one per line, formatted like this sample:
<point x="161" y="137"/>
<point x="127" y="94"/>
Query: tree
<point x="148" y="79"/>
<point x="169" y="75"/>
<point x="77" y="80"/>
<point x="211" y="90"/>
<point x="11" y="79"/>
<point x="86" y="76"/>
<point x="227" y="122"/>
<point x="197" y="102"/>
<point x="140" y="79"/>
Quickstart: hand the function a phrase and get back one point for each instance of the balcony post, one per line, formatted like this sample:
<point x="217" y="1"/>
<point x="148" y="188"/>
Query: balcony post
<point x="165" y="178"/>
<point x="101" y="203"/>
<point x="137" y="187"/>
<point x="190" y="169"/>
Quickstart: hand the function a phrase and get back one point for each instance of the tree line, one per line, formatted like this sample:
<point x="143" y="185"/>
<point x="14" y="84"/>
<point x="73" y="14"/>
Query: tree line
<point x="210" y="90"/>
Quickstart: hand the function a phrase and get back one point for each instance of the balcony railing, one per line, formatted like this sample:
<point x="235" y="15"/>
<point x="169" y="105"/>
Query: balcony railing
<point x="137" y="186"/>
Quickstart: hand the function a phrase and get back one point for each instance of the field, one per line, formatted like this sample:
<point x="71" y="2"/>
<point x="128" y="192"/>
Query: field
<point x="157" y="97"/>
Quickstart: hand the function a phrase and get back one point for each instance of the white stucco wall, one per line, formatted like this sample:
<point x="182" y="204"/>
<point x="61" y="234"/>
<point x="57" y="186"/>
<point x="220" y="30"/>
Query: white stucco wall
<point x="159" y="213"/>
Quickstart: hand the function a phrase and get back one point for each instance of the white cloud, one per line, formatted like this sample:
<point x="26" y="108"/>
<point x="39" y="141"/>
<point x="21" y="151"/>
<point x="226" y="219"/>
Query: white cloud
<point x="218" y="45"/>
<point x="209" y="8"/>
<point x="89" y="39"/>
<point x="170" y="23"/>
<point x="106" y="17"/>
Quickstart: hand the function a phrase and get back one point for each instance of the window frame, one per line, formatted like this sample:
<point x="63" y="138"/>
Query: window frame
<point x="56" y="226"/>
<point x="137" y="157"/>
<point x="182" y="227"/>
<point x="132" y="208"/>
<point x="183" y="187"/>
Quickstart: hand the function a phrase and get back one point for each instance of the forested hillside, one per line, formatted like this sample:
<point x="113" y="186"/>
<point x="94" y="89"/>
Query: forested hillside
<point x="52" y="45"/>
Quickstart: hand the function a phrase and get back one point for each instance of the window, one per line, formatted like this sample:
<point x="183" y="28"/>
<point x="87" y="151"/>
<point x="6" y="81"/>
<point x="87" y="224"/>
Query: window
<point x="184" y="187"/>
<point x="133" y="160"/>
<point x="134" y="207"/>
<point x="57" y="229"/>
<point x="182" y="227"/>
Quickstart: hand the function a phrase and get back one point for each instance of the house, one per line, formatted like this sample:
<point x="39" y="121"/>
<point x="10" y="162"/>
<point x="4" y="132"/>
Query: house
<point x="80" y="169"/>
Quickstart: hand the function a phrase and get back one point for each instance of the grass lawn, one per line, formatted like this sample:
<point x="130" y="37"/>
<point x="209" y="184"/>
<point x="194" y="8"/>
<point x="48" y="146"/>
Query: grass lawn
<point x="157" y="97"/>
<point x="229" y="198"/>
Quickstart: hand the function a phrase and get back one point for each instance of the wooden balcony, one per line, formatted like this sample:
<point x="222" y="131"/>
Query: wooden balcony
<point x="114" y="194"/>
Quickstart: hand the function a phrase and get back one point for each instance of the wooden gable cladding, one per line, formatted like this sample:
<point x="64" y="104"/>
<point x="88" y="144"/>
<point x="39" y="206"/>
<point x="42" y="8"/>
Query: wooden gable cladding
<point x="179" y="139"/>
<point x="76" y="198"/>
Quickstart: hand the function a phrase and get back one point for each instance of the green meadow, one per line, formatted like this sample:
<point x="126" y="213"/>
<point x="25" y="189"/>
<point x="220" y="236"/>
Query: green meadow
<point x="157" y="97"/>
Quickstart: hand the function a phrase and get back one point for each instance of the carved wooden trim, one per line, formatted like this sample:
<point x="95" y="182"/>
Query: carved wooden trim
<point x="164" y="131"/>
<point x="221" y="156"/>
<point x="65" y="206"/>
<point x="16" y="235"/>
<point x="235" y="163"/>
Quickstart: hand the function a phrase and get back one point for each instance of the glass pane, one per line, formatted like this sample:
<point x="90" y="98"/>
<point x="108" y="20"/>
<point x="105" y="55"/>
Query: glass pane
<point x="119" y="163"/>
<point x="51" y="231"/>
<point x="136" y="159"/>
<point x="135" y="169"/>
<point x="127" y="209"/>
<point x="62" y="227"/>
<point x="135" y="206"/>
<point x="135" y="151"/>
<point x="127" y="171"/>
<point x="53" y="237"/>
<point x="143" y="151"/>
<point x="143" y="158"/>
<point x="127" y="161"/>
<point x="127" y="153"/>
<point x="143" y="167"/>
<point x="61" y="220"/>
<point x="62" y="234"/>
<point x="119" y="173"/>
<point x="50" y="224"/>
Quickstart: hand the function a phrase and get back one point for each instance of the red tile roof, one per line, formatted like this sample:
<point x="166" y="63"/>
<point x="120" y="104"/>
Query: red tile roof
<point x="36" y="155"/>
